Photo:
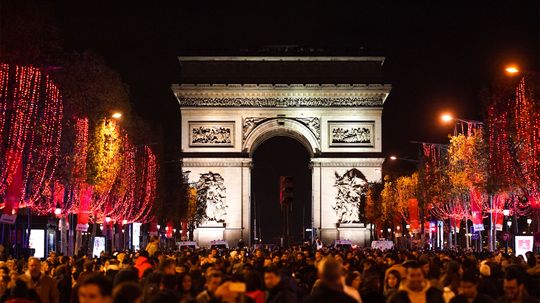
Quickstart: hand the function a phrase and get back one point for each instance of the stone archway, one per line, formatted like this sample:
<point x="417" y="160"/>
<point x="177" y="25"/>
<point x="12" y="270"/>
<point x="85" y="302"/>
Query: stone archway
<point x="339" y="124"/>
<point x="286" y="127"/>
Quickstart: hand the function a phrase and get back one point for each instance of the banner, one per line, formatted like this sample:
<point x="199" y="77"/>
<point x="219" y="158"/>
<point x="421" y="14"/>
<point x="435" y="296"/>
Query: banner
<point x="476" y="210"/>
<point x="14" y="191"/>
<point x="498" y="206"/>
<point x="83" y="214"/>
<point x="413" y="216"/>
<point x="169" y="230"/>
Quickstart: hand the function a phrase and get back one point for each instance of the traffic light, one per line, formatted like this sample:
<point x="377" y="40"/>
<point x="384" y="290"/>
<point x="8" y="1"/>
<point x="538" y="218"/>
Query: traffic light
<point x="286" y="190"/>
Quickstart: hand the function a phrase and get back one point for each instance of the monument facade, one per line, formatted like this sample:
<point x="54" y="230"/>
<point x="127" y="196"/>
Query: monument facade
<point x="331" y="105"/>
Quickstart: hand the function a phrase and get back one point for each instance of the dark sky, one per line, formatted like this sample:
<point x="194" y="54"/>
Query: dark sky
<point x="440" y="54"/>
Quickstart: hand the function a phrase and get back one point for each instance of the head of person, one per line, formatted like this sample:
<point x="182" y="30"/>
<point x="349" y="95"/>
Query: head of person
<point x="34" y="267"/>
<point x="271" y="277"/>
<point x="213" y="280"/>
<point x="127" y="292"/>
<point x="393" y="279"/>
<point x="415" y="277"/>
<point x="391" y="259"/>
<point x="187" y="283"/>
<point x="353" y="279"/>
<point x="168" y="267"/>
<point x="126" y="275"/>
<point x="330" y="272"/>
<point x="513" y="283"/>
<point x="468" y="285"/>
<point x="95" y="289"/>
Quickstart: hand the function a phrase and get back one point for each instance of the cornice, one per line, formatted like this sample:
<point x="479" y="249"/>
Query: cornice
<point x="366" y="162"/>
<point x="281" y="95"/>
<point x="280" y="58"/>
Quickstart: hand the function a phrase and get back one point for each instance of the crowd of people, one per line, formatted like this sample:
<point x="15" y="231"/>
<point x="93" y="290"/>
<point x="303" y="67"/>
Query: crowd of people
<point x="275" y="275"/>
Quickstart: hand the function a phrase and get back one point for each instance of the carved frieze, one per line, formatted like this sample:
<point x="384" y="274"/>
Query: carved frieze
<point x="367" y="101"/>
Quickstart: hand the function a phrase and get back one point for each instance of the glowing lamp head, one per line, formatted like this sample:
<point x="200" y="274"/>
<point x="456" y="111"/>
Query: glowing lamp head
<point x="389" y="230"/>
<point x="58" y="211"/>
<point x="398" y="228"/>
<point x="509" y="223"/>
<point x="447" y="118"/>
<point x="506" y="212"/>
<point x="529" y="221"/>
<point x="512" y="69"/>
<point x="124" y="222"/>
<point x="393" y="158"/>
<point x="107" y="219"/>
<point x="158" y="227"/>
<point x="407" y="226"/>
<point x="116" y="115"/>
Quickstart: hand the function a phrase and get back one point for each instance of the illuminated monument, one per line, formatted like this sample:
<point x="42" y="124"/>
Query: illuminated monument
<point x="332" y="105"/>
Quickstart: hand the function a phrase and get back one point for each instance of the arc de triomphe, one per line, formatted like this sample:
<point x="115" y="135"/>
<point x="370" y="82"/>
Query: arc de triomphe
<point x="331" y="105"/>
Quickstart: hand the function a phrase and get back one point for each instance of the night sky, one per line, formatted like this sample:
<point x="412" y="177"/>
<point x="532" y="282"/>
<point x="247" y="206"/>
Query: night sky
<point x="439" y="56"/>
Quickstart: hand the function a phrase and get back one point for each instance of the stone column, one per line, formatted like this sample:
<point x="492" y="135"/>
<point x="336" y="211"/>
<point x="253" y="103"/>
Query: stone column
<point x="246" y="201"/>
<point x="316" y="195"/>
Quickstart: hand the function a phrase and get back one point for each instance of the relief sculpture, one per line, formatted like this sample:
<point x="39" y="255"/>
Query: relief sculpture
<point x="351" y="186"/>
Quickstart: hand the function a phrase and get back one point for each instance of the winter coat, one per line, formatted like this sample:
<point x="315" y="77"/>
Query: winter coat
<point x="324" y="294"/>
<point x="428" y="294"/>
<point x="142" y="264"/>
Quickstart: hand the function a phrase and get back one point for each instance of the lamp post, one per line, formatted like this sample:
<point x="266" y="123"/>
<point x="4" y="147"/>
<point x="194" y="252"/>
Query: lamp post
<point x="509" y="224"/>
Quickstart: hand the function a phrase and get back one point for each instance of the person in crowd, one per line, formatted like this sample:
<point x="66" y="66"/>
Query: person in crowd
<point x="416" y="288"/>
<point x="167" y="267"/>
<point x="330" y="284"/>
<point x="187" y="292"/>
<point x="468" y="289"/>
<point x="392" y="261"/>
<point x="143" y="263"/>
<point x="44" y="285"/>
<point x="95" y="289"/>
<point x="152" y="246"/>
<point x="127" y="292"/>
<point x="514" y="289"/>
<point x="391" y="283"/>
<point x="88" y="270"/>
<point x="279" y="290"/>
<point x="213" y="280"/>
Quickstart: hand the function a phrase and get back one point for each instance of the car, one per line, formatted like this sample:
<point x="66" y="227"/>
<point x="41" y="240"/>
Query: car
<point x="183" y="245"/>
<point x="342" y="244"/>
<point x="219" y="244"/>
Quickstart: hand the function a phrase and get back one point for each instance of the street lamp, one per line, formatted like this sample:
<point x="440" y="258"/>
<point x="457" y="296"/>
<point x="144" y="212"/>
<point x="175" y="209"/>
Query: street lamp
<point x="509" y="223"/>
<point x="116" y="115"/>
<point x="529" y="221"/>
<point x="512" y="70"/>
<point x="448" y="117"/>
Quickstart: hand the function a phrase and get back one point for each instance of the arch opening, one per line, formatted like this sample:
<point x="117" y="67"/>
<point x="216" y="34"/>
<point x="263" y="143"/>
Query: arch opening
<point x="274" y="157"/>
